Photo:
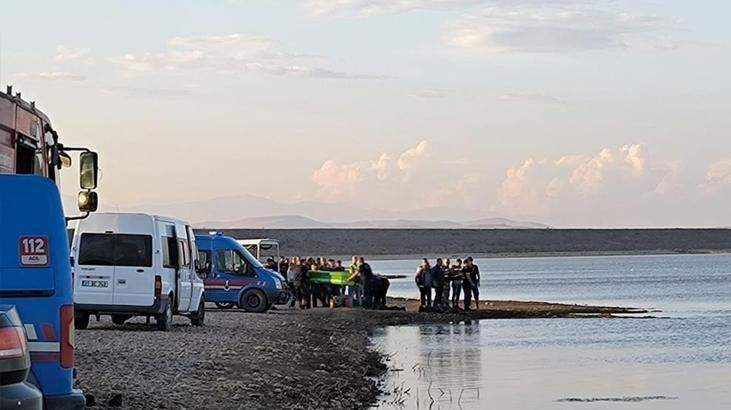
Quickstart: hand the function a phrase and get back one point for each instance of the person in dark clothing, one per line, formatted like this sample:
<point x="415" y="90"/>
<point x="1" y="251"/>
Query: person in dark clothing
<point x="271" y="265"/>
<point x="297" y="279"/>
<point x="457" y="279"/>
<point x="471" y="283"/>
<point x="283" y="265"/>
<point x="423" y="282"/>
<point x="380" y="291"/>
<point x="437" y="274"/>
<point x="367" y="278"/>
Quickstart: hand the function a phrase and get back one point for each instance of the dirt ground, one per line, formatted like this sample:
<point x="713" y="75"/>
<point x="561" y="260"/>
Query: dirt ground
<point x="286" y="358"/>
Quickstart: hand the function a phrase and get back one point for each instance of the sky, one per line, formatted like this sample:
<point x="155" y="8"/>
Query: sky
<point x="568" y="112"/>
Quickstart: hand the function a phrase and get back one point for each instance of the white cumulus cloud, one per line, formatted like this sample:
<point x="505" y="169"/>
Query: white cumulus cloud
<point x="612" y="176"/>
<point x="415" y="178"/>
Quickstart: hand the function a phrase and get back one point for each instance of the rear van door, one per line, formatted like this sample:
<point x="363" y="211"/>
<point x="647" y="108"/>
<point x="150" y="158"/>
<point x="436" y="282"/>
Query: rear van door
<point x="93" y="282"/>
<point x="134" y="278"/>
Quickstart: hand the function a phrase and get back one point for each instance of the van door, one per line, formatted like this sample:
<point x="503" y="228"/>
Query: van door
<point x="197" y="287"/>
<point x="185" y="271"/>
<point x="93" y="282"/>
<point x="170" y="256"/>
<point x="134" y="278"/>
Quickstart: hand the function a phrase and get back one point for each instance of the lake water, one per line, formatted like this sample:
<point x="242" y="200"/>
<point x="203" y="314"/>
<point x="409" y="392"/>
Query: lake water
<point x="679" y="360"/>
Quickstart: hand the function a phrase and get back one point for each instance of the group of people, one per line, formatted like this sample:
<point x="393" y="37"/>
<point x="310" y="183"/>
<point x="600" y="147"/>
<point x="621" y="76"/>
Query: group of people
<point x="368" y="289"/>
<point x="445" y="278"/>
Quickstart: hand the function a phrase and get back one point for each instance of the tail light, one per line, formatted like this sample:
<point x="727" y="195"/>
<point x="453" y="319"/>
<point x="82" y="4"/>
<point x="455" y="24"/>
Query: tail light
<point x="12" y="343"/>
<point x="68" y="338"/>
<point x="158" y="286"/>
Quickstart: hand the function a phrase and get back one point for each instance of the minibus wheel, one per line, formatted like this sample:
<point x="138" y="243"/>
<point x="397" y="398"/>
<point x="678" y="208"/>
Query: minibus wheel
<point x="165" y="321"/>
<point x="253" y="301"/>
<point x="81" y="321"/>
<point x="199" y="316"/>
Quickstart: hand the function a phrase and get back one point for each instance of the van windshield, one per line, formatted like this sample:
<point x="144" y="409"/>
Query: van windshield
<point x="250" y="258"/>
<point x="115" y="250"/>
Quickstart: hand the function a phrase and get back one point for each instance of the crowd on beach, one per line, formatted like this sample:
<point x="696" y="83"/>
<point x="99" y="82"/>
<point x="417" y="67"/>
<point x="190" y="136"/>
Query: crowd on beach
<point x="441" y="285"/>
<point x="365" y="289"/>
<point x="448" y="281"/>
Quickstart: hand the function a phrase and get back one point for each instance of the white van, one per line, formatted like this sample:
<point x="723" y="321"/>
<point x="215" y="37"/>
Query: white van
<point x="129" y="265"/>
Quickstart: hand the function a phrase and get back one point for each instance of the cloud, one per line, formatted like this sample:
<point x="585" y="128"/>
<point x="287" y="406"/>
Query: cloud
<point x="531" y="98"/>
<point x="66" y="55"/>
<point x="52" y="76"/>
<point x="554" y="29"/>
<point x="233" y="54"/>
<point x="608" y="177"/>
<point x="718" y="176"/>
<point x="415" y="178"/>
<point x="381" y="7"/>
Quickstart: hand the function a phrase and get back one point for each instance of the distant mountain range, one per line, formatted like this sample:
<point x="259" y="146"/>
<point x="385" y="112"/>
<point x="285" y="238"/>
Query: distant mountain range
<point x="253" y="212"/>
<point x="301" y="222"/>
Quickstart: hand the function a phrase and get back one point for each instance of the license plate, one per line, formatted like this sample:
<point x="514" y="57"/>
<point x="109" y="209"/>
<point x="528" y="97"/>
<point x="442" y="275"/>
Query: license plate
<point x="95" y="283"/>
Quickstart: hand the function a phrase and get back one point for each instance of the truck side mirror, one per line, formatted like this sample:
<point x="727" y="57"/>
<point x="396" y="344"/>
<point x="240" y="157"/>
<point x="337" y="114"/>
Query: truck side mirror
<point x="88" y="201"/>
<point x="89" y="170"/>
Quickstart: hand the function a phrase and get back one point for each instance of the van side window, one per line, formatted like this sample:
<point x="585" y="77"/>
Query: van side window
<point x="229" y="261"/>
<point x="169" y="252"/>
<point x="204" y="258"/>
<point x="185" y="259"/>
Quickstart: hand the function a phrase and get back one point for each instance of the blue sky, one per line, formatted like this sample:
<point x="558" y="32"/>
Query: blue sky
<point x="571" y="112"/>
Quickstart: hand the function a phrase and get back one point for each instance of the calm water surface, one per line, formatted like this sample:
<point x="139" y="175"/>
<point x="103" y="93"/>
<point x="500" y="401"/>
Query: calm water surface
<point x="680" y="360"/>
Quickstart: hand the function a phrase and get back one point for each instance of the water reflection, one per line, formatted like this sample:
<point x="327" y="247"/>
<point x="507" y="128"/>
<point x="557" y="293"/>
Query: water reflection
<point x="471" y="366"/>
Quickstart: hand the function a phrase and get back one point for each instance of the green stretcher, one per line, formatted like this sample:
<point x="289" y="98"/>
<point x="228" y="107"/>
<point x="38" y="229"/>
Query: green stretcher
<point x="330" y="278"/>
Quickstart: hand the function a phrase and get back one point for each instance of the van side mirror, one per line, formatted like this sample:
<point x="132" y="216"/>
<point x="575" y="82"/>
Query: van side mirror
<point x="88" y="201"/>
<point x="89" y="169"/>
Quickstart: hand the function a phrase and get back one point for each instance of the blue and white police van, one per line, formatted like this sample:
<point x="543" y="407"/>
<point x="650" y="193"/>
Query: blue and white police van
<point x="35" y="278"/>
<point x="233" y="277"/>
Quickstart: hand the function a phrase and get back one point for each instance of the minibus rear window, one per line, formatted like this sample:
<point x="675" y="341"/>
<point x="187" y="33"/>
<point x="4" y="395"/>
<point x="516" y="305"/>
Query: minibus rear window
<point x="96" y="249"/>
<point x="133" y="250"/>
<point x="115" y="250"/>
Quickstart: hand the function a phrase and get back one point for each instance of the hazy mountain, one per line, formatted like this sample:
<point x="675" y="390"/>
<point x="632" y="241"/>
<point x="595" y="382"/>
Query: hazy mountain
<point x="300" y="222"/>
<point x="251" y="206"/>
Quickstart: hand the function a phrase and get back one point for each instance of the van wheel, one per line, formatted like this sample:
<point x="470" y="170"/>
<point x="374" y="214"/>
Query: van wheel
<point x="199" y="316"/>
<point x="253" y="301"/>
<point x="81" y="321"/>
<point x="165" y="321"/>
<point x="119" y="319"/>
<point x="225" y="305"/>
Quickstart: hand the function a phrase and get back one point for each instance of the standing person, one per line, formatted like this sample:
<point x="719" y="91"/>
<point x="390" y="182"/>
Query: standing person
<point x="437" y="275"/>
<point x="423" y="274"/>
<point x="289" y="276"/>
<point x="471" y="283"/>
<point x="447" y="282"/>
<point x="356" y="290"/>
<point x="297" y="277"/>
<point x="456" y="275"/>
<point x="366" y="276"/>
<point x="283" y="265"/>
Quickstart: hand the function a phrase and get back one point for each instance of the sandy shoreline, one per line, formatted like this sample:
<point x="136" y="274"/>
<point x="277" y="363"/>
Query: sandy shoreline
<point x="287" y="358"/>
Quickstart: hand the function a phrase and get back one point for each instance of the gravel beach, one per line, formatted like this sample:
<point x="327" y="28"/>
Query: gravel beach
<point x="286" y="358"/>
<point x="282" y="359"/>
